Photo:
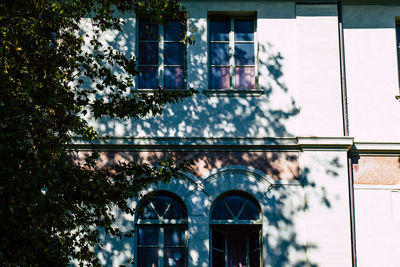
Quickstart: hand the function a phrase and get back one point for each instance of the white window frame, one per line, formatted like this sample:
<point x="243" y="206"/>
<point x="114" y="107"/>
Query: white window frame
<point x="256" y="223"/>
<point x="232" y="42"/>
<point x="162" y="224"/>
<point x="161" y="44"/>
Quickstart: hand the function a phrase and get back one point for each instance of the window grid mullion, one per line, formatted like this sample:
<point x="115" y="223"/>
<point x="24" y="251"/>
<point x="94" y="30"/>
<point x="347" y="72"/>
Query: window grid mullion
<point x="161" y="56"/>
<point x="255" y="41"/>
<point x="231" y="54"/>
<point x="161" y="248"/>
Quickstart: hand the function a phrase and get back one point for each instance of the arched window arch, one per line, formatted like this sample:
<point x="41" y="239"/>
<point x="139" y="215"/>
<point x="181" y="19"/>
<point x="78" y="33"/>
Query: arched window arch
<point x="161" y="231"/>
<point x="235" y="224"/>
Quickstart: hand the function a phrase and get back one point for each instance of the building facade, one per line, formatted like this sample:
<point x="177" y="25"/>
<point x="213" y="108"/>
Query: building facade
<point x="295" y="133"/>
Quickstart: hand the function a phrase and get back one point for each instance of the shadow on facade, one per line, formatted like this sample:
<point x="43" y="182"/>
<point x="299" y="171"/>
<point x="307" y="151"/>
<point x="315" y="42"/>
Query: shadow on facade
<point x="286" y="206"/>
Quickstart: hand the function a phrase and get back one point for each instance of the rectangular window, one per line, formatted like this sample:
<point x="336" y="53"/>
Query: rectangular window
<point x="232" y="53"/>
<point x="161" y="246"/>
<point x="161" y="57"/>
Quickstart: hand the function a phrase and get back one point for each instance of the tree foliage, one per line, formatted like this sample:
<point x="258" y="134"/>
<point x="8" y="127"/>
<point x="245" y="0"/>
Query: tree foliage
<point x="51" y="206"/>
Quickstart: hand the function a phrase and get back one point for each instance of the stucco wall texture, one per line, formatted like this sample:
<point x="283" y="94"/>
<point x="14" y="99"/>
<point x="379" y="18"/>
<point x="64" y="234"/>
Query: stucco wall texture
<point x="376" y="170"/>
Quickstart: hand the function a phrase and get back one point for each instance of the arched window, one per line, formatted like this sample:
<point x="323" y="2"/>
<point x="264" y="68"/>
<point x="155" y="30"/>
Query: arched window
<point x="161" y="231"/>
<point x="235" y="225"/>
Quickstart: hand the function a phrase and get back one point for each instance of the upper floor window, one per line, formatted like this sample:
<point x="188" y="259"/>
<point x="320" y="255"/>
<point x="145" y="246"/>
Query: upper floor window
<point x="161" y="232"/>
<point x="232" y="53"/>
<point x="161" y="55"/>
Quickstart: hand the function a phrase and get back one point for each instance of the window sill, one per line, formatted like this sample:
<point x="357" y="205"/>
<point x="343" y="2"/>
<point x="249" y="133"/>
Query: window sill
<point x="152" y="91"/>
<point x="233" y="92"/>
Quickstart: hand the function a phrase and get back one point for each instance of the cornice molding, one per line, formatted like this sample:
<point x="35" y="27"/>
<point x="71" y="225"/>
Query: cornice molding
<point x="376" y="147"/>
<point x="214" y="143"/>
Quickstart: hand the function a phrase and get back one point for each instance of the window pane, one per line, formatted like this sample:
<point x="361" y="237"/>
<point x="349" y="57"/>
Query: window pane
<point x="147" y="212"/>
<point x="174" y="237"/>
<point x="235" y="203"/>
<point x="173" y="31"/>
<point x="174" y="257"/>
<point x="148" y="77"/>
<point x="173" y="78"/>
<point x="219" y="54"/>
<point x="219" y="78"/>
<point x="250" y="211"/>
<point x="244" y="30"/>
<point x="148" y="53"/>
<point x="148" y="236"/>
<point x="255" y="259"/>
<point x="254" y="241"/>
<point x="177" y="211"/>
<point x="244" y="54"/>
<point x="161" y="203"/>
<point x="148" y="31"/>
<point x="218" y="259"/>
<point x="218" y="240"/>
<point x="245" y="78"/>
<point x="173" y="53"/>
<point x="220" y="212"/>
<point x="147" y="257"/>
<point x="219" y="30"/>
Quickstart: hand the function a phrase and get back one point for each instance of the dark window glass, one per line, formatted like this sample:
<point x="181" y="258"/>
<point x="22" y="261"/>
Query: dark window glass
<point x="148" y="31"/>
<point x="244" y="54"/>
<point x="254" y="241"/>
<point x="250" y="212"/>
<point x="219" y="54"/>
<point x="176" y="211"/>
<point x="219" y="78"/>
<point x="174" y="236"/>
<point x="173" y="53"/>
<point x="218" y="240"/>
<point x="235" y="203"/>
<point x="174" y="257"/>
<point x="147" y="212"/>
<point x="218" y="258"/>
<point x="254" y="259"/>
<point x="148" y="77"/>
<point x="245" y="78"/>
<point x="147" y="257"/>
<point x="148" y="53"/>
<point x="244" y="30"/>
<point x="173" y="31"/>
<point x="219" y="30"/>
<point x="148" y="236"/>
<point x="220" y="212"/>
<point x="161" y="203"/>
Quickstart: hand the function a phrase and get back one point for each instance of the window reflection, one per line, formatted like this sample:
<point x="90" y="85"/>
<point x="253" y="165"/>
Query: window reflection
<point x="161" y="227"/>
<point x="162" y="60"/>
<point x="232" y="56"/>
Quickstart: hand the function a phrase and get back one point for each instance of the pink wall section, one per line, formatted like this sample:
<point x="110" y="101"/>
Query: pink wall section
<point x="377" y="170"/>
<point x="278" y="165"/>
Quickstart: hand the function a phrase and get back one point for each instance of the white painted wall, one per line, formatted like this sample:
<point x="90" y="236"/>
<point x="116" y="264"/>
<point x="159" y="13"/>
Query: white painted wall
<point x="298" y="71"/>
<point x="327" y="216"/>
<point x="377" y="213"/>
<point x="371" y="69"/>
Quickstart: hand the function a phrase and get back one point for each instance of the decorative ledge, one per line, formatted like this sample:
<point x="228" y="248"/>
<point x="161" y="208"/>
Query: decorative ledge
<point x="231" y="92"/>
<point x="325" y="143"/>
<point x="152" y="91"/>
<point x="376" y="147"/>
<point x="210" y="143"/>
<point x="395" y="187"/>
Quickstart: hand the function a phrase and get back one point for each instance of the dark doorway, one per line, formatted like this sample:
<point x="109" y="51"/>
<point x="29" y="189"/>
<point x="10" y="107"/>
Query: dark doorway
<point x="235" y="245"/>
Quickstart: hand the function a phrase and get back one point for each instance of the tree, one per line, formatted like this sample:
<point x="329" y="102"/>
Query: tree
<point x="52" y="206"/>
